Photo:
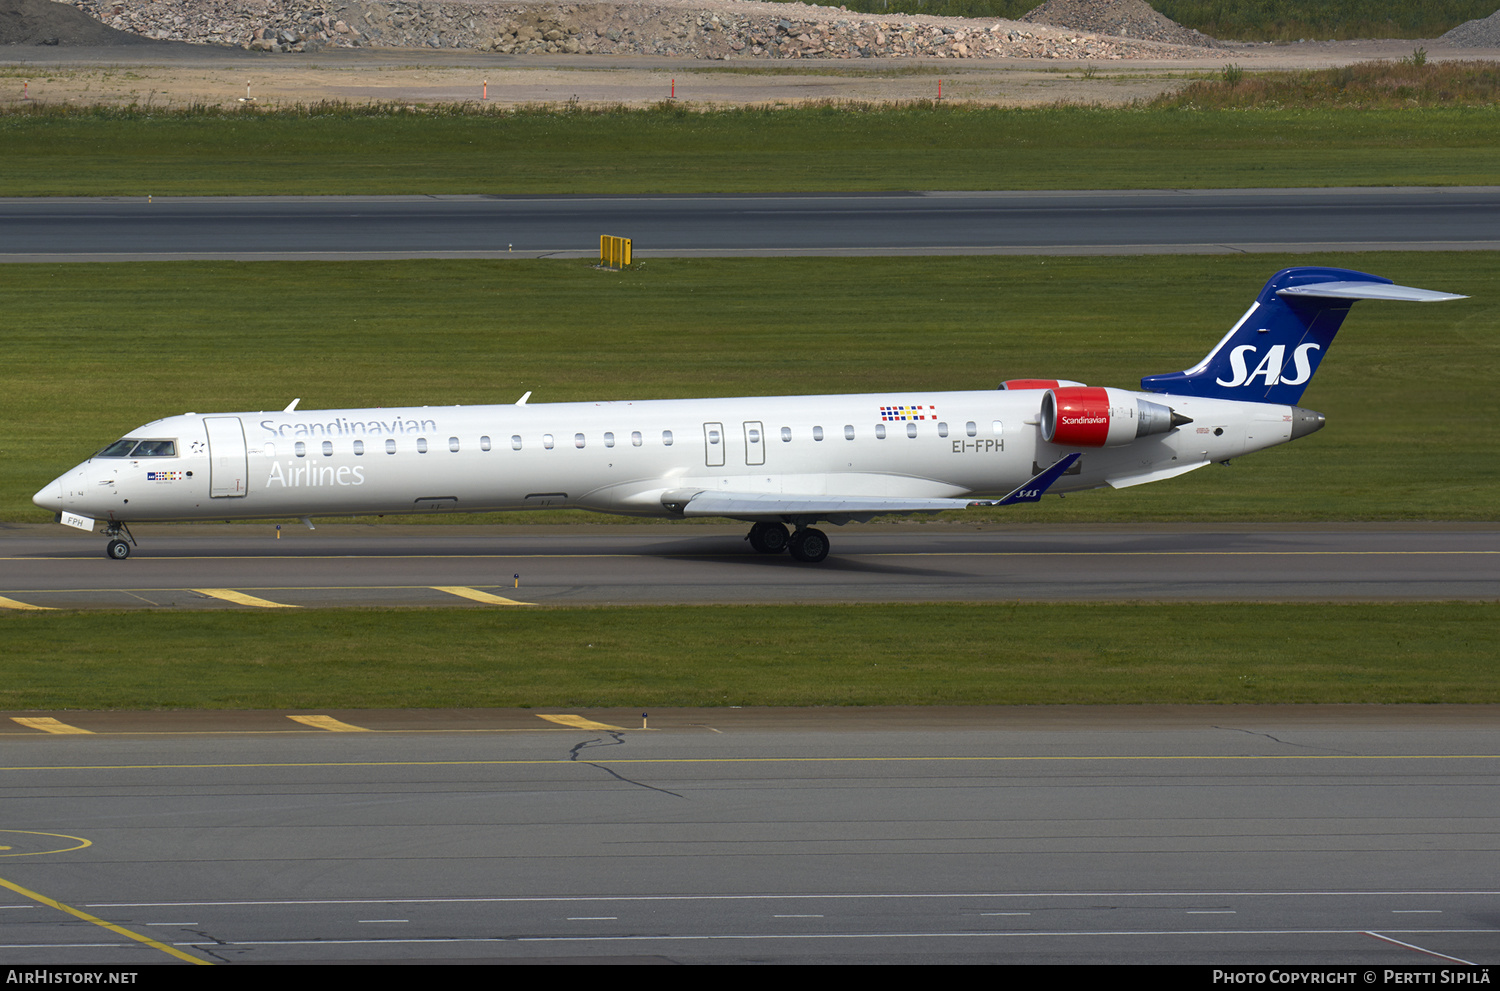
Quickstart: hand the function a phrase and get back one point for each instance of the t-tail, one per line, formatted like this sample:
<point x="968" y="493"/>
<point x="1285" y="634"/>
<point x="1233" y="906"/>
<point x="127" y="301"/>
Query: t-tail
<point x="1270" y="355"/>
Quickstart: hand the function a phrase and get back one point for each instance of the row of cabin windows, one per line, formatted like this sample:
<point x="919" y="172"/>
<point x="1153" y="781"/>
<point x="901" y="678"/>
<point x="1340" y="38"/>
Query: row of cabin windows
<point x="636" y="440"/>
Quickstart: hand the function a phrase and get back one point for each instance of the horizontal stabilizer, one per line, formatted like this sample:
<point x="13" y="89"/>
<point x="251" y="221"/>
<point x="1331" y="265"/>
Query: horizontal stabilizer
<point x="1368" y="290"/>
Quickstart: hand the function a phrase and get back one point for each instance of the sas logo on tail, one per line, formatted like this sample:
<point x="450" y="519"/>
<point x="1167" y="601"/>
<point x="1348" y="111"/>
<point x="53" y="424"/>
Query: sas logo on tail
<point x="1271" y="366"/>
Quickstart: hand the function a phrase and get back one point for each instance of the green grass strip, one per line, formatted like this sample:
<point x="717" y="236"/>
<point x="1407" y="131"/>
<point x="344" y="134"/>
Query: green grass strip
<point x="352" y="150"/>
<point x="989" y="654"/>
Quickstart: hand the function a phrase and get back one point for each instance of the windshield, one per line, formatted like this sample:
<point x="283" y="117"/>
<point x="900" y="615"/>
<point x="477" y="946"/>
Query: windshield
<point x="130" y="447"/>
<point x="118" y="449"/>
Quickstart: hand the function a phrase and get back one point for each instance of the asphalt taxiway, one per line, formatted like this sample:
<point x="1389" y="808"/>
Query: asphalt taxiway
<point x="1085" y="222"/>
<point x="249" y="566"/>
<point x="1220" y="834"/>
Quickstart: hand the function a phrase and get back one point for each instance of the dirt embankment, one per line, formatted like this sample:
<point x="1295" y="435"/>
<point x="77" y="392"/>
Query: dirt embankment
<point x="709" y="29"/>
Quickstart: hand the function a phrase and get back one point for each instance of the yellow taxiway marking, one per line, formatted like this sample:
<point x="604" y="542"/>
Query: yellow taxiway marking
<point x="577" y="722"/>
<point x="329" y="723"/>
<point x="53" y="903"/>
<point x="47" y="724"/>
<point x="230" y="595"/>
<point x="13" y="604"/>
<point x="478" y="596"/>
<point x="664" y="761"/>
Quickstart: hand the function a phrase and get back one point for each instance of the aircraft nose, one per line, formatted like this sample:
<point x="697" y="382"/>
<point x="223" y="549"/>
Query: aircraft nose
<point x="51" y="496"/>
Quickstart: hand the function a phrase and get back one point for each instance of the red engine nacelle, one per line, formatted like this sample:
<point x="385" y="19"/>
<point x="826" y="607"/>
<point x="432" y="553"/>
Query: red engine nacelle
<point x="1036" y="383"/>
<point x="1086" y="416"/>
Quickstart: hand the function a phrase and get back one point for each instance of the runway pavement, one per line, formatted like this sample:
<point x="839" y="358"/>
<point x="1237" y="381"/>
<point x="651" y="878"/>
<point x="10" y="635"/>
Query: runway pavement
<point x="902" y="223"/>
<point x="1292" y="835"/>
<point x="248" y="566"/>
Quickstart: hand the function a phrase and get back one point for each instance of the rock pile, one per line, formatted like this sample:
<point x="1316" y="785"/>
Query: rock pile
<point x="1481" y="33"/>
<point x="1125" y="18"/>
<point x="40" y="22"/>
<point x="711" y="29"/>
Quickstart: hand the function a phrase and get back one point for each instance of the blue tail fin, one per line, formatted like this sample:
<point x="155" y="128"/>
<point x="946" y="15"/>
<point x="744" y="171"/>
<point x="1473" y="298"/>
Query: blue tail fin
<point x="1272" y="353"/>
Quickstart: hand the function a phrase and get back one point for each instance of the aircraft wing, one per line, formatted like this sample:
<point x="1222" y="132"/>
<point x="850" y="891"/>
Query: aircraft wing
<point x="846" y="509"/>
<point x="836" y="509"/>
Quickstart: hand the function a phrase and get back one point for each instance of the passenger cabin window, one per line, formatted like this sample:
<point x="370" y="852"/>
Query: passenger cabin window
<point x="390" y="446"/>
<point x="942" y="429"/>
<point x="880" y="431"/>
<point x="997" y="426"/>
<point x="971" y="428"/>
<point x="848" y="431"/>
<point x="786" y="435"/>
<point x="270" y="450"/>
<point x="547" y="441"/>
<point x="453" y="444"/>
<point x="666" y="438"/>
<point x="609" y="439"/>
<point x="817" y="433"/>
<point x="301" y="449"/>
<point x="328" y="449"/>
<point x="359" y="447"/>
<point x="635" y="438"/>
<point x="421" y="445"/>
<point x="515" y="442"/>
<point x="484" y="443"/>
<point x="578" y="441"/>
<point x="911" y="429"/>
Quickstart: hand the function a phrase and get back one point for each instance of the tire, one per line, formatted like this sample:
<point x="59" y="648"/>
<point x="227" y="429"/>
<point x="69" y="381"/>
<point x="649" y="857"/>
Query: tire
<point x="117" y="550"/>
<point x="809" y="546"/>
<point x="773" y="538"/>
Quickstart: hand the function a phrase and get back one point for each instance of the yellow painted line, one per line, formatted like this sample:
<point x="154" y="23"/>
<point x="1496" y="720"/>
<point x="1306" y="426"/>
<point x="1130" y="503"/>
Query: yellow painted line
<point x="47" y="724"/>
<point x="1160" y="758"/>
<point x="13" y="604"/>
<point x="240" y="598"/>
<point x="53" y="903"/>
<point x="478" y="596"/>
<point x="577" y="722"/>
<point x="328" y="723"/>
<point x="1166" y="553"/>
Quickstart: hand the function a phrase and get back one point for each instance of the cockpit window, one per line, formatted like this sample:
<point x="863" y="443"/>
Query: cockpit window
<point x="131" y="448"/>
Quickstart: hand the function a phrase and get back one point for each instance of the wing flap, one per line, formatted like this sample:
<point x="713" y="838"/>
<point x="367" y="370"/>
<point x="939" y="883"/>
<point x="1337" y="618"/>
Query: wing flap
<point x="769" y="506"/>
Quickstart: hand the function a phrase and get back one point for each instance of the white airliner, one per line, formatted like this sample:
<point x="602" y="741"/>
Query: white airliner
<point x="773" y="462"/>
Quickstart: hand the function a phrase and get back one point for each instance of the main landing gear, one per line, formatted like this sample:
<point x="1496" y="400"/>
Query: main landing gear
<point x="117" y="549"/>
<point x="806" y="545"/>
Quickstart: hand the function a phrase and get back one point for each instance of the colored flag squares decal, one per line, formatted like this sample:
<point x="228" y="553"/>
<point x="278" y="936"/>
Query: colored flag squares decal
<point x="889" y="413"/>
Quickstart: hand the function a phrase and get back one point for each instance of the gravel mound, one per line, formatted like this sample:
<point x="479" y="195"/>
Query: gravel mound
<point x="1481" y="33"/>
<point x="706" y="29"/>
<point x="1121" y="18"/>
<point x="42" y="22"/>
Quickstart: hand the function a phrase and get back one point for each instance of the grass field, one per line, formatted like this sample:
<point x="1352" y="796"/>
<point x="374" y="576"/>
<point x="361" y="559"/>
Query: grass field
<point x="94" y="351"/>
<point x="1364" y="85"/>
<point x="56" y="151"/>
<point x="785" y="655"/>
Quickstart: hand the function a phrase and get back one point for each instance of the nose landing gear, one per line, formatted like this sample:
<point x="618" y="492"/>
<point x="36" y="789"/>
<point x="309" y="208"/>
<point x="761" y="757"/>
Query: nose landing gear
<point x="117" y="549"/>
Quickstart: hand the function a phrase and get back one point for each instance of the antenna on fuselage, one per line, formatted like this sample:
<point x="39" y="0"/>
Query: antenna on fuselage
<point x="292" y="405"/>
<point x="522" y="400"/>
